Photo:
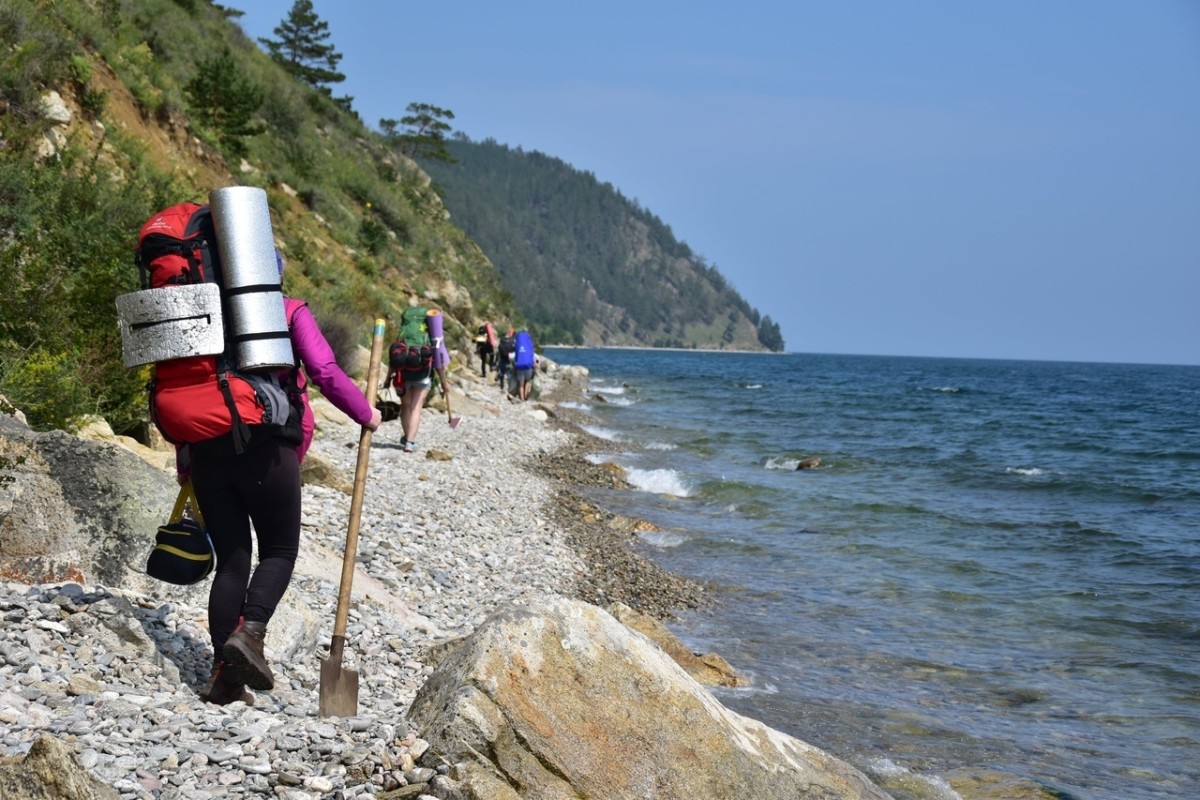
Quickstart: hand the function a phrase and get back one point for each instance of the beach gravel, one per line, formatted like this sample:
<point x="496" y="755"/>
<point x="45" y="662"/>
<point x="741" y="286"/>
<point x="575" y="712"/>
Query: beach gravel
<point x="489" y="512"/>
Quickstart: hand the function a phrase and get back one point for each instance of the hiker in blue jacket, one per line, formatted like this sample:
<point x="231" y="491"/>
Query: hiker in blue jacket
<point x="524" y="362"/>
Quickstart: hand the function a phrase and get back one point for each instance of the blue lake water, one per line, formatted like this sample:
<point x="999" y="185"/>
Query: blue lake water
<point x="996" y="564"/>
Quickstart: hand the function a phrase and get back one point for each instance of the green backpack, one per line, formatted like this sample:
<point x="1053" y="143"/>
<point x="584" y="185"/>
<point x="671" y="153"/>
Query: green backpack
<point x="413" y="349"/>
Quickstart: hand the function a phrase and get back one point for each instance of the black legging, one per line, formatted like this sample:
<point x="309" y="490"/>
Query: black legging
<point x="260" y="486"/>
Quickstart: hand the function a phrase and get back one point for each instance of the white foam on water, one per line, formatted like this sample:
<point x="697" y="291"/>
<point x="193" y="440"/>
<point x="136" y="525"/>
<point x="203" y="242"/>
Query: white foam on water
<point x="621" y="401"/>
<point x="757" y="685"/>
<point x="610" y="389"/>
<point x="659" y="446"/>
<point x="662" y="539"/>
<point x="779" y="462"/>
<point x="658" y="481"/>
<point x="754" y="386"/>
<point x="939" y="789"/>
<point x="576" y="406"/>
<point x="600" y="433"/>
<point x="1033" y="471"/>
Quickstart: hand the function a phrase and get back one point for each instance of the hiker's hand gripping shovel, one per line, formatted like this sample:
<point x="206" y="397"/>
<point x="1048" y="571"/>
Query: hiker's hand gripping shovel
<point x="339" y="686"/>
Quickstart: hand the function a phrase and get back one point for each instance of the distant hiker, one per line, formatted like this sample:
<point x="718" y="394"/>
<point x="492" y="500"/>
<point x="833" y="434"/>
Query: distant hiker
<point x="239" y="436"/>
<point x="410" y="371"/>
<point x="524" y="362"/>
<point x="504" y="357"/>
<point x="485" y="347"/>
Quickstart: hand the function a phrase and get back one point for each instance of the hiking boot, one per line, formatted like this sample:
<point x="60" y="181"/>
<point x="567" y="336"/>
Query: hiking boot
<point x="243" y="652"/>
<point x="222" y="689"/>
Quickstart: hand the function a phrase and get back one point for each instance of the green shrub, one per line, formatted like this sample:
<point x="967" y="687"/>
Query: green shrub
<point x="93" y="101"/>
<point x="47" y="387"/>
<point x="81" y="69"/>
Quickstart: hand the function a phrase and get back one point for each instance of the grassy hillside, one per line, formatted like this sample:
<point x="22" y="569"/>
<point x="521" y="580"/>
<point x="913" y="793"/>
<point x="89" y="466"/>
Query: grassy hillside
<point x="360" y="225"/>
<point x="587" y="265"/>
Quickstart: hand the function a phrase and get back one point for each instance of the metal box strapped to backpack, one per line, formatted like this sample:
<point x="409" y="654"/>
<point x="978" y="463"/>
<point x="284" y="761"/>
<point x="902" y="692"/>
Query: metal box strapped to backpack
<point x="175" y="322"/>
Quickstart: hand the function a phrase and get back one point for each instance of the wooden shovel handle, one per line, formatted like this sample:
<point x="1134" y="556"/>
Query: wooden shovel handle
<point x="356" y="498"/>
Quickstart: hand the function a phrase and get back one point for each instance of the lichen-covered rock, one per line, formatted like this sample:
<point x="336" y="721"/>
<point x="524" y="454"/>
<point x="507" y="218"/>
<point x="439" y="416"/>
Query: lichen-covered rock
<point x="74" y="510"/>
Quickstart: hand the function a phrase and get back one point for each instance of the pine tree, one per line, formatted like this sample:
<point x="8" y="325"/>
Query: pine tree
<point x="225" y="101"/>
<point x="769" y="335"/>
<point x="302" y="51"/>
<point x="425" y="136"/>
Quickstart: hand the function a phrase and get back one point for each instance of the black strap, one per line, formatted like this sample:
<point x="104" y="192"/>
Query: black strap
<point x="240" y="430"/>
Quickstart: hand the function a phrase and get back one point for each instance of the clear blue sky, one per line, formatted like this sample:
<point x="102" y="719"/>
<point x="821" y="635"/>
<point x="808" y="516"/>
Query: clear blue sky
<point x="1016" y="179"/>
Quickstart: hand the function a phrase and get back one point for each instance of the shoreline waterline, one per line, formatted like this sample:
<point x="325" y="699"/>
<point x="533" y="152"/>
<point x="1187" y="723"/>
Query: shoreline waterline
<point x="964" y="578"/>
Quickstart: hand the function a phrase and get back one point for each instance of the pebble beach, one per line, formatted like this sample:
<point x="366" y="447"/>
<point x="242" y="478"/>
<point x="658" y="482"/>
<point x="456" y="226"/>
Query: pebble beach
<point x="483" y="514"/>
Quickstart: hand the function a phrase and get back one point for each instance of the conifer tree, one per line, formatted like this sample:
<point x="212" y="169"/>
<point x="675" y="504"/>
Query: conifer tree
<point x="769" y="335"/>
<point x="225" y="101"/>
<point x="425" y="136"/>
<point x="302" y="49"/>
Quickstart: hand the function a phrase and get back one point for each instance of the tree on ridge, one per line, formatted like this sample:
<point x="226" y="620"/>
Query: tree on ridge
<point x="302" y="50"/>
<point x="426" y="134"/>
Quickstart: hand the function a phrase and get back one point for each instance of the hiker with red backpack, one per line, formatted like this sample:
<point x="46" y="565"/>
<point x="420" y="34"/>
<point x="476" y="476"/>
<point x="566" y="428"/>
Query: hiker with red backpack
<point x="410" y="370"/>
<point x="233" y="401"/>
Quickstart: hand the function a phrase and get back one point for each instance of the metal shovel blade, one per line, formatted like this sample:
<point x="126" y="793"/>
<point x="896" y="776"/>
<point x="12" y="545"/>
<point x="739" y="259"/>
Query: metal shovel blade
<point x="339" y="688"/>
<point x="454" y="422"/>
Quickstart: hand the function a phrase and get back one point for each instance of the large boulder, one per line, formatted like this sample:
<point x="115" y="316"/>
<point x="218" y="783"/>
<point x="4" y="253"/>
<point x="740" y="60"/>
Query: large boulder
<point x="75" y="510"/>
<point x="558" y="699"/>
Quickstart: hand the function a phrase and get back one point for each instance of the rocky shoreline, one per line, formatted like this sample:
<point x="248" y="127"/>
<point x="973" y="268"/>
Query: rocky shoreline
<point x="606" y="541"/>
<point x="506" y="631"/>
<point x="488" y="514"/>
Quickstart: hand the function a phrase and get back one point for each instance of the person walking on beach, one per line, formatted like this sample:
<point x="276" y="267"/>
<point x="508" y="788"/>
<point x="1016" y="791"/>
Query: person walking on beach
<point x="411" y="374"/>
<point x="485" y="348"/>
<point x="524" y="362"/>
<point x="261" y="486"/>
<point x="504" y="356"/>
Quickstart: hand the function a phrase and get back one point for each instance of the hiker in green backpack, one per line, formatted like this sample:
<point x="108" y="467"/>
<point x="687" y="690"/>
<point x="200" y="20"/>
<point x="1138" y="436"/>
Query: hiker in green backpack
<point x="410" y="371"/>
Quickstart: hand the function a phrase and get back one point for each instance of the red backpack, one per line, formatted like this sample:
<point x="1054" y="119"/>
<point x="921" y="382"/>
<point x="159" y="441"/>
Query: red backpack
<point x="178" y="245"/>
<point x="204" y="401"/>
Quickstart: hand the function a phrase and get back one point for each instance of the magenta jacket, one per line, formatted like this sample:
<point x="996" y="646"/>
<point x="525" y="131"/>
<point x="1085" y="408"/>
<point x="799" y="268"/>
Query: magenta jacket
<point x="321" y="367"/>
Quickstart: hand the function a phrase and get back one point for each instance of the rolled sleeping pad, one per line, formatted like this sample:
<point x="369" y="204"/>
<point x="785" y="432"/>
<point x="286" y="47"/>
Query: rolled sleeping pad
<point x="254" y="309"/>
<point x="433" y="321"/>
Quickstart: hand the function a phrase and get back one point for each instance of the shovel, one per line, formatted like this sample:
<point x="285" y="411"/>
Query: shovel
<point x="446" y="394"/>
<point x="339" y="686"/>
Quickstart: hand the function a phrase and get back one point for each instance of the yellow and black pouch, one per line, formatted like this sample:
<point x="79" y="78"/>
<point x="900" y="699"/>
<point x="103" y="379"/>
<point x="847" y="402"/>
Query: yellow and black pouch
<point x="183" y="553"/>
